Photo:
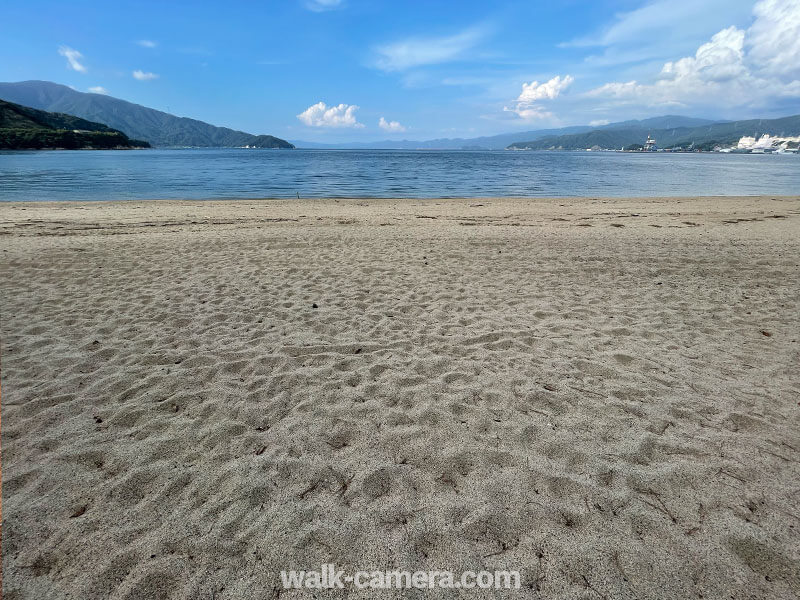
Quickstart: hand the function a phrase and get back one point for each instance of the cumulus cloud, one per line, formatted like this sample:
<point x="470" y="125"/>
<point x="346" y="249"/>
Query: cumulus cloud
<point x="322" y="115"/>
<point x="73" y="58"/>
<point x="736" y="67"/>
<point x="390" y="125"/>
<point x="774" y="37"/>
<point x="147" y="43"/>
<point x="323" y="5"/>
<point x="599" y="122"/>
<point x="533" y="91"/>
<point x="721" y="59"/>
<point x="528" y="104"/>
<point x="98" y="89"/>
<point x="143" y="75"/>
<point x="415" y="52"/>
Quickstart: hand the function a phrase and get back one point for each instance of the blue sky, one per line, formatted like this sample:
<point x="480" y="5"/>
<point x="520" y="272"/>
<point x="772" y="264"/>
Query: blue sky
<point x="328" y="70"/>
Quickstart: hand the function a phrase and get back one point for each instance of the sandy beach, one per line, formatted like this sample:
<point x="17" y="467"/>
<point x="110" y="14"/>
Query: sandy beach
<point x="603" y="394"/>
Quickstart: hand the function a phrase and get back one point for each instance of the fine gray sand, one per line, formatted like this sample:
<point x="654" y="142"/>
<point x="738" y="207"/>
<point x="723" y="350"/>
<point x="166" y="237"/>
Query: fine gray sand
<point x="602" y="394"/>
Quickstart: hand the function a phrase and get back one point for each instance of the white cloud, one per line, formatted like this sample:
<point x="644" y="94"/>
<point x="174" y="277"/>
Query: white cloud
<point x="73" y="58"/>
<point x="147" y="43"/>
<point x="736" y="67"/>
<point x="531" y="113"/>
<point x="599" y="122"/>
<point x="323" y="5"/>
<point x="321" y="115"/>
<point x="774" y="37"/>
<point x="721" y="59"/>
<point x="415" y="52"/>
<point x="98" y="89"/>
<point x="390" y="125"/>
<point x="533" y="91"/>
<point x="528" y="103"/>
<point x="144" y="76"/>
<point x="617" y="90"/>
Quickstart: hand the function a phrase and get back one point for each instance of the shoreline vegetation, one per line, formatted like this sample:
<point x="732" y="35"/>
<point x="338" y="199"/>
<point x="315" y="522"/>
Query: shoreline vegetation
<point x="66" y="140"/>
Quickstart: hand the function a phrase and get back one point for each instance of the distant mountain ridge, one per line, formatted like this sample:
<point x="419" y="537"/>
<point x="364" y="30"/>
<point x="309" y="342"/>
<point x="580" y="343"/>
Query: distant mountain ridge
<point x="503" y="140"/>
<point x="24" y="128"/>
<point x="703" y="137"/>
<point x="493" y="142"/>
<point x="157" y="127"/>
<point x="665" y="122"/>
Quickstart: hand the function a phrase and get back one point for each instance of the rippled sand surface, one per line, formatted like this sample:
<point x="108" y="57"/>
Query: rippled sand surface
<point x="602" y="394"/>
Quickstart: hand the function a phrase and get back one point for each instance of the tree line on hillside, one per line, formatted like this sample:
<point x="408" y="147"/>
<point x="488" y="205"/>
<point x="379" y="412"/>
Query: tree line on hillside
<point x="24" y="128"/>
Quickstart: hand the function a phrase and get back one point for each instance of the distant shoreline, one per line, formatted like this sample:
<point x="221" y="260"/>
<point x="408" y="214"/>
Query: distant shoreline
<point x="464" y="150"/>
<point x="334" y="200"/>
<point x="438" y="199"/>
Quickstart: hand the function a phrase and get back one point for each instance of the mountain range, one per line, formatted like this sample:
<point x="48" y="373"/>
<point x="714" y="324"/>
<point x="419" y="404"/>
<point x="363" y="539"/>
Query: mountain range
<point x="700" y="136"/>
<point x="163" y="129"/>
<point x="157" y="127"/>
<point x="26" y="128"/>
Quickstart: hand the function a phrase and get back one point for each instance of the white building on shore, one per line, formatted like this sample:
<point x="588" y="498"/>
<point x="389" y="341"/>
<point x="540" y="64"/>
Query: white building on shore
<point x="766" y="142"/>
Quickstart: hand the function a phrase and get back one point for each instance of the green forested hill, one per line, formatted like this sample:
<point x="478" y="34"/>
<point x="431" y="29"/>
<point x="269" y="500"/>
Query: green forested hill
<point x="702" y="137"/>
<point x="157" y="127"/>
<point x="22" y="127"/>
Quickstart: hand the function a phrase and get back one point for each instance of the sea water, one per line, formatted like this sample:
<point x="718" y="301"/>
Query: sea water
<point x="261" y="173"/>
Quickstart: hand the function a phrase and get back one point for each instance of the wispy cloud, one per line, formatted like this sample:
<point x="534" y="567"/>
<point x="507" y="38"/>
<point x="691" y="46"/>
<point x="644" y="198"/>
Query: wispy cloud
<point x="98" y="89"/>
<point x="323" y="5"/>
<point x="73" y="58"/>
<point x="393" y="126"/>
<point x="683" y="17"/>
<point x="528" y="104"/>
<point x="322" y="115"/>
<point x="147" y="43"/>
<point x="144" y="75"/>
<point x="415" y="52"/>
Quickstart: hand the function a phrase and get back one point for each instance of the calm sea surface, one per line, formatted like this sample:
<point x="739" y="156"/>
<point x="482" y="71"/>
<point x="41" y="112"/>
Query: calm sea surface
<point x="233" y="173"/>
